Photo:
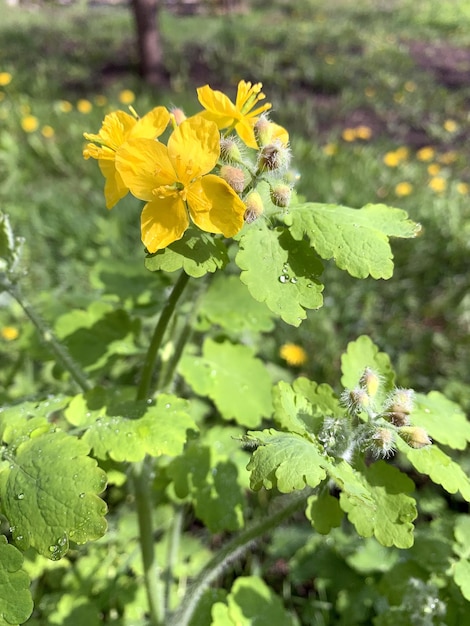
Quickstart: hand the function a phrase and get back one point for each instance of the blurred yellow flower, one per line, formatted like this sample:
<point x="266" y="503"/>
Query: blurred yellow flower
<point x="84" y="106"/>
<point x="463" y="188"/>
<point x="425" y="154"/>
<point x="239" y="116"/>
<point x="434" y="169"/>
<point x="392" y="159"/>
<point x="117" y="128"/>
<point x="181" y="185"/>
<point x="403" y="189"/>
<point x="370" y="92"/>
<point x="402" y="153"/>
<point x="293" y="354"/>
<point x="410" y="86"/>
<point x="330" y="59"/>
<point x="29" y="123"/>
<point x="10" y="333"/>
<point x="330" y="149"/>
<point x="398" y="97"/>
<point x="47" y="131"/>
<point x="349" y="134"/>
<point x="126" y="96"/>
<point x="65" y="106"/>
<point x="438" y="184"/>
<point x="101" y="100"/>
<point x="363" y="132"/>
<point x="5" y="79"/>
<point x="448" y="157"/>
<point x="451" y="126"/>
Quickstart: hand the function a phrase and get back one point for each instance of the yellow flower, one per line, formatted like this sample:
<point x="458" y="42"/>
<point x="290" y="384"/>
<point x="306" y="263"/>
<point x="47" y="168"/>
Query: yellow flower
<point x="434" y="169"/>
<point x="392" y="159"/>
<point x="101" y="100"/>
<point x="293" y="354"/>
<point x="47" y="131"/>
<point x="330" y="149"/>
<point x="84" y="106"/>
<point x="349" y="134"/>
<point x="448" y="157"/>
<point x="10" y="333"/>
<point x="330" y="59"/>
<point x="5" y="79"/>
<point x="438" y="184"/>
<point x="402" y="153"/>
<point x="126" y="96"/>
<point x="403" y="189"/>
<point x="451" y="126"/>
<point x="425" y="154"/>
<point x="65" y="106"/>
<point x="117" y="128"/>
<point x="363" y="132"/>
<point x="175" y="180"/>
<point x="410" y="86"/>
<point x="463" y="188"/>
<point x="239" y="116"/>
<point x="29" y="123"/>
<point x="369" y="92"/>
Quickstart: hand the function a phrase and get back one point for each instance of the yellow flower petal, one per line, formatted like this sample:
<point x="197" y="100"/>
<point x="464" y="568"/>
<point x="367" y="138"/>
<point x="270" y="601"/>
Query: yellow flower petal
<point x="194" y="148"/>
<point x="219" y="107"/>
<point x="114" y="131"/>
<point x="144" y="166"/>
<point x="215" y="207"/>
<point x="163" y="221"/>
<point x="151" y="125"/>
<point x="246" y="132"/>
<point x="114" y="188"/>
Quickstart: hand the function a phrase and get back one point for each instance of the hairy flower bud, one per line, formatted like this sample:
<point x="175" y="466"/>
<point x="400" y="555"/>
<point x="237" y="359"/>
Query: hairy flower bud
<point x="399" y="407"/>
<point x="235" y="177"/>
<point x="230" y="150"/>
<point x="266" y="132"/>
<point x="382" y="443"/>
<point x="254" y="206"/>
<point x="274" y="157"/>
<point x="370" y="381"/>
<point x="415" y="436"/>
<point x="355" y="400"/>
<point x="280" y="195"/>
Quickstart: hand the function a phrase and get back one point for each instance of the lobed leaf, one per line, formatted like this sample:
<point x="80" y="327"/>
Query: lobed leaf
<point x="363" y="353"/>
<point x="324" y="512"/>
<point x="357" y="239"/>
<point x="197" y="253"/>
<point x="281" y="272"/>
<point x="233" y="378"/>
<point x="16" y="603"/>
<point x="443" y="420"/>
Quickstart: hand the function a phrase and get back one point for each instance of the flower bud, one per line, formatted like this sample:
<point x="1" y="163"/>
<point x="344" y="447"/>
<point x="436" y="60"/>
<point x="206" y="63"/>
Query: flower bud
<point x="355" y="400"/>
<point x="178" y="115"/>
<point x="266" y="132"/>
<point x="415" y="436"/>
<point x="382" y="443"/>
<point x="280" y="194"/>
<point x="235" y="177"/>
<point x="254" y="207"/>
<point x="370" y="381"/>
<point x="230" y="150"/>
<point x="399" y="407"/>
<point x="274" y="157"/>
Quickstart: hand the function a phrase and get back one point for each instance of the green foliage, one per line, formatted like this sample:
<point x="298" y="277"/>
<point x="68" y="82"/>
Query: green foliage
<point x="16" y="603"/>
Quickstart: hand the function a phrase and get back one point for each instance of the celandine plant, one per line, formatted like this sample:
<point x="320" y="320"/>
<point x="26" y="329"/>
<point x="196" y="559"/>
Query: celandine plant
<point x="173" y="448"/>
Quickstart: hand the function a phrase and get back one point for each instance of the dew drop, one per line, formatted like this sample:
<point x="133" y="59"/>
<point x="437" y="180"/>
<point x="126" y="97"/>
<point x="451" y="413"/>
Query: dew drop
<point x="167" y="405"/>
<point x="309" y="285"/>
<point x="82" y="495"/>
<point x="19" y="538"/>
<point x="283" y="278"/>
<point x="149" y="401"/>
<point x="20" y="496"/>
<point x="293" y="280"/>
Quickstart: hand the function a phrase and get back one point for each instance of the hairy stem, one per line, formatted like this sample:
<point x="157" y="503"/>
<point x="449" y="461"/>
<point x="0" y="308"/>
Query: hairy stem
<point x="173" y="548"/>
<point x="232" y="551"/>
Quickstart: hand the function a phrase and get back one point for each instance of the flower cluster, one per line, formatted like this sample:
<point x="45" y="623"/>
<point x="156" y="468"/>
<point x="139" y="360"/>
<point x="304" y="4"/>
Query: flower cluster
<point x="196" y="174"/>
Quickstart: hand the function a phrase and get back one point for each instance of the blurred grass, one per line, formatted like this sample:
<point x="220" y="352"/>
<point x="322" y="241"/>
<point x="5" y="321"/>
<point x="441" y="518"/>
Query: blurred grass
<point x="330" y="68"/>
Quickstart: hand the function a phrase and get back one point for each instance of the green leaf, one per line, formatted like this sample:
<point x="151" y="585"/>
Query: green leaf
<point x="438" y="466"/>
<point x="357" y="239"/>
<point x="461" y="574"/>
<point x="16" y="603"/>
<point x="390" y="517"/>
<point x="364" y="353"/>
<point x="127" y="432"/>
<point x="229" y="304"/>
<point x="443" y="420"/>
<point x="197" y="253"/>
<point x="280" y="271"/>
<point x="250" y="602"/>
<point x="286" y="461"/>
<point x="49" y="492"/>
<point x="233" y="378"/>
<point x="324" y="512"/>
<point x="351" y="482"/>
<point x="10" y="246"/>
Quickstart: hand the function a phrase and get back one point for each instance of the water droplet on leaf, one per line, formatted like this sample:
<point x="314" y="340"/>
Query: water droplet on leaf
<point x="283" y="278"/>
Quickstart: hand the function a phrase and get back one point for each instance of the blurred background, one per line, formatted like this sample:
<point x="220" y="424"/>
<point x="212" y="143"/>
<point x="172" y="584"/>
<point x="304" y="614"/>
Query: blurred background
<point x="375" y="94"/>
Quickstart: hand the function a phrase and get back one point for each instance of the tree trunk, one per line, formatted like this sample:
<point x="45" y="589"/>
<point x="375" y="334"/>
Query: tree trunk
<point x="148" y="40"/>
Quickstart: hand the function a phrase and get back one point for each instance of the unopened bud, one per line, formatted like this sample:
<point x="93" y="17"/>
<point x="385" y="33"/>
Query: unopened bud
<point x="274" y="157"/>
<point x="370" y="381"/>
<point x="399" y="407"/>
<point x="267" y="132"/>
<point x="280" y="194"/>
<point x="230" y="150"/>
<point x="178" y="115"/>
<point x="382" y="443"/>
<point x="254" y="206"/>
<point x="235" y="177"/>
<point x="355" y="400"/>
<point x="415" y="436"/>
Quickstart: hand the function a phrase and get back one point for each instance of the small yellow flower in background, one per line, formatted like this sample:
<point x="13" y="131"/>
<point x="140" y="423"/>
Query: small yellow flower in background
<point x="293" y="354"/>
<point x="10" y="333"/>
<point x="126" y="96"/>
<point x="410" y="86"/>
<point x="5" y="79"/>
<point x="425" y="154"/>
<point x="463" y="188"/>
<point x="180" y="184"/>
<point x="403" y="189"/>
<point x="65" y="106"/>
<point x="330" y="149"/>
<point x="239" y="116"/>
<point x="84" y="106"/>
<point x="370" y="92"/>
<point x="434" y="169"/>
<point x="448" y="157"/>
<point x="402" y="152"/>
<point x="398" y="97"/>
<point x="330" y="59"/>
<point x="364" y="132"/>
<point x="451" y="126"/>
<point x="438" y="184"/>
<point x="349" y="134"/>
<point x="117" y="128"/>
<point x="47" y="131"/>
<point x="29" y="123"/>
<point x="101" y="100"/>
<point x="392" y="159"/>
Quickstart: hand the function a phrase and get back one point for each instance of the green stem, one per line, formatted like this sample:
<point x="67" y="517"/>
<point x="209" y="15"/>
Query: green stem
<point x="58" y="350"/>
<point x="173" y="548"/>
<point x="232" y="551"/>
<point x="143" y="391"/>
